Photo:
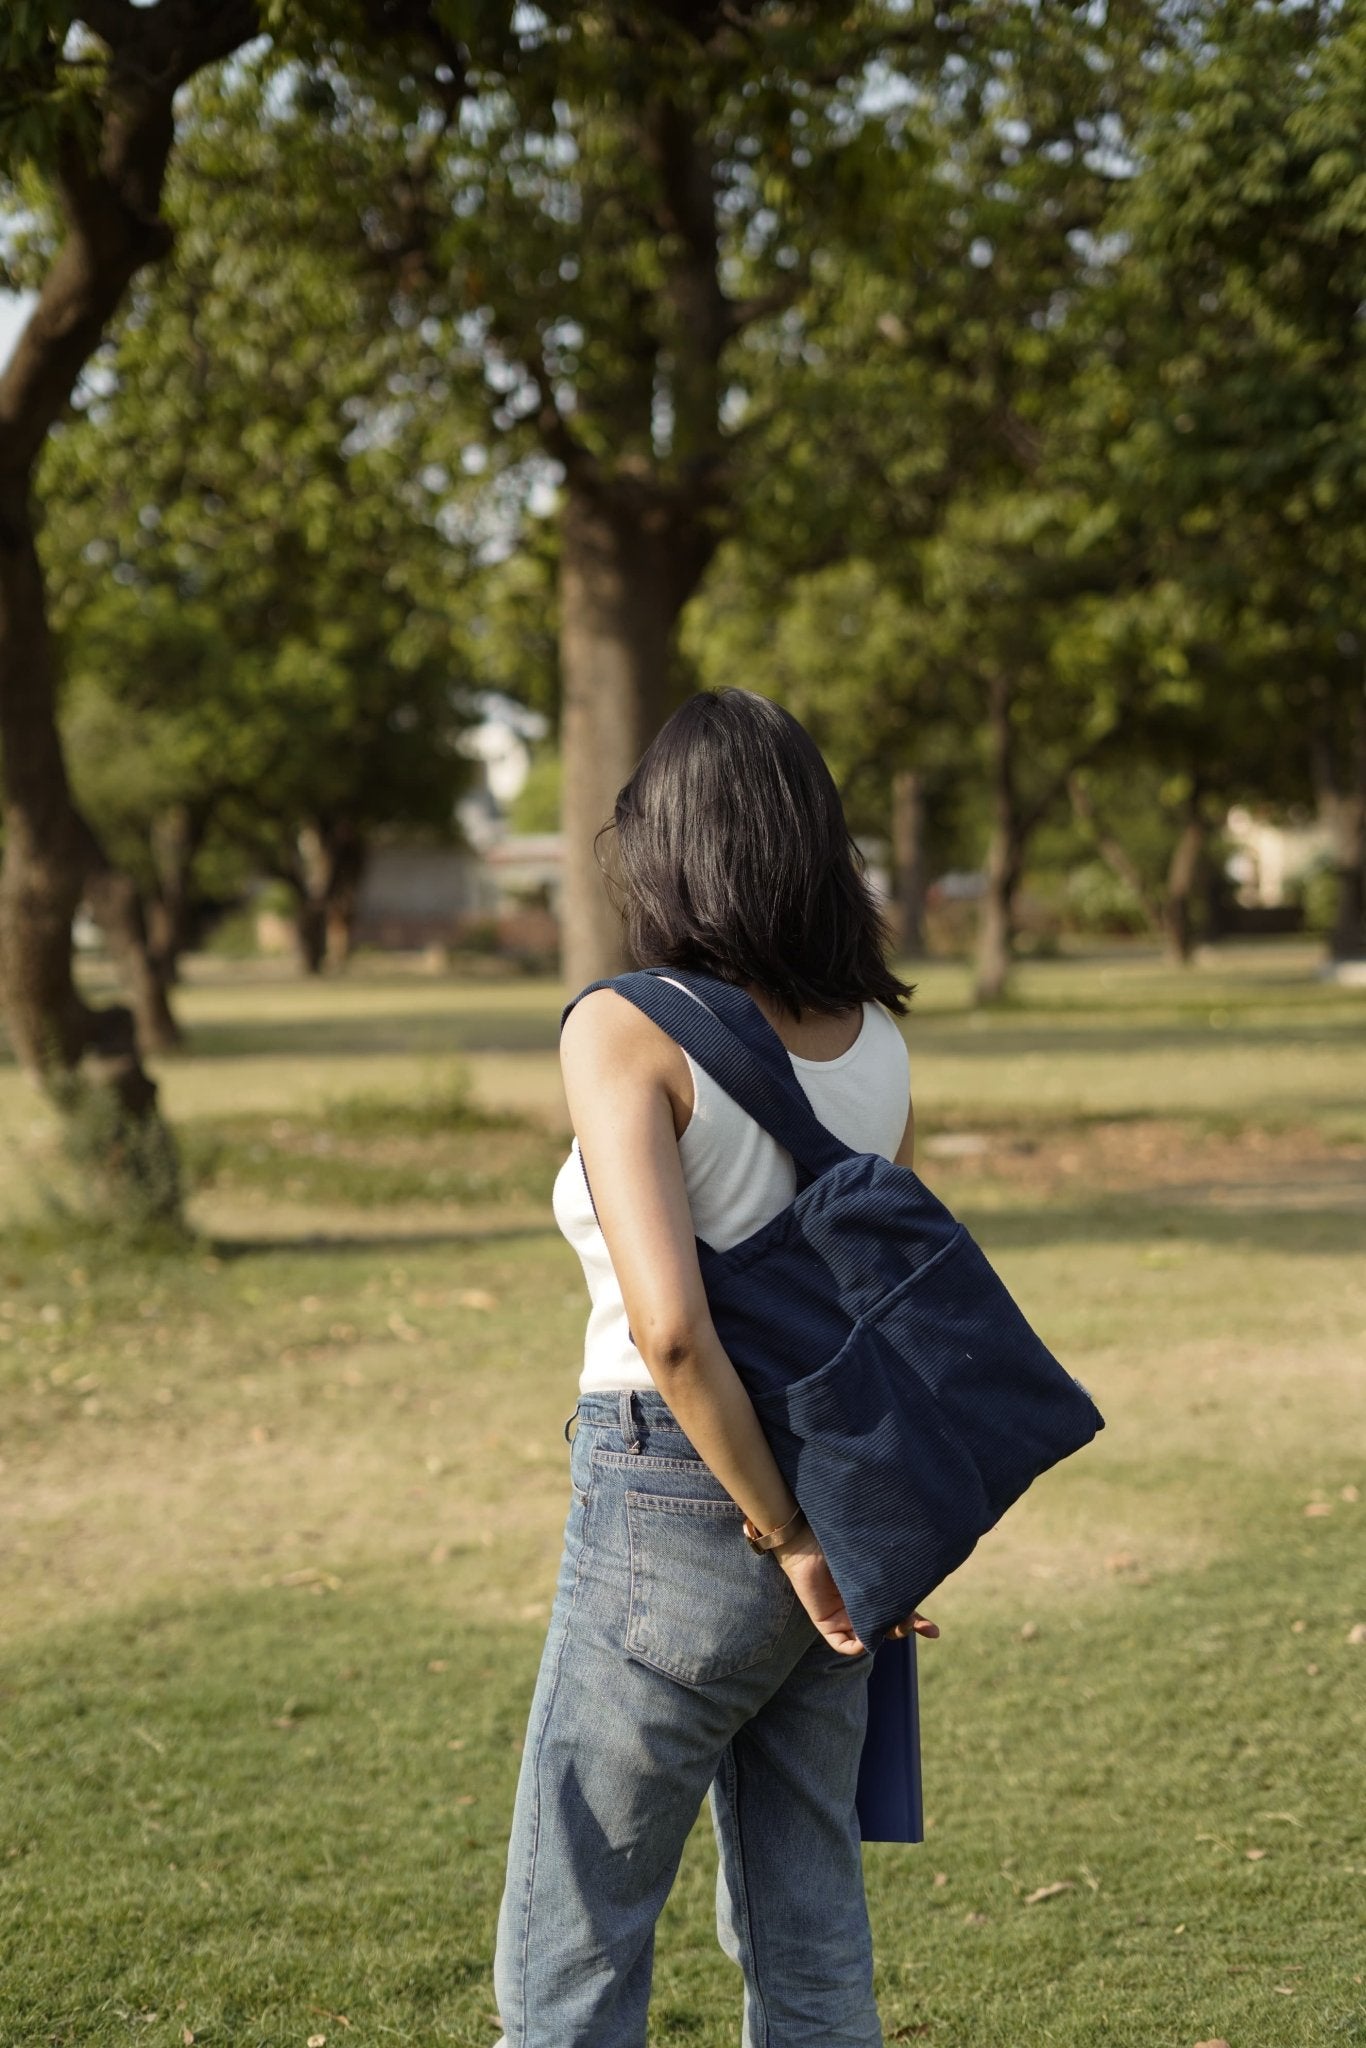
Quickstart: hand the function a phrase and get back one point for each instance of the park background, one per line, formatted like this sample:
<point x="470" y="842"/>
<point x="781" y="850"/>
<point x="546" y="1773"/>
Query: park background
<point x="403" y="405"/>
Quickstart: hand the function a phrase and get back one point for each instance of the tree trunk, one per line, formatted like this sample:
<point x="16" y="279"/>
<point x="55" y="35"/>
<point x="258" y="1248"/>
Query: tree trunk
<point x="310" y="882"/>
<point x="310" y="934"/>
<point x="328" y="869"/>
<point x="910" y="876"/>
<point x="1005" y="854"/>
<point x="109" y="175"/>
<point x="116" y="907"/>
<point x="637" y="532"/>
<point x="343" y="894"/>
<point x="620" y="596"/>
<point x="1183" y="876"/>
<point x="176" y="837"/>
<point x="1348" y="939"/>
<point x="50" y="855"/>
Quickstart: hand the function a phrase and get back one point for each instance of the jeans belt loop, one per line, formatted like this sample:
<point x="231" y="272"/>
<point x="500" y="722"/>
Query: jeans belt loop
<point x="626" y="1415"/>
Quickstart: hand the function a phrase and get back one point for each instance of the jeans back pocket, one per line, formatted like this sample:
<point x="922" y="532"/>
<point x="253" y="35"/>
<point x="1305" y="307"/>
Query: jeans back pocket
<point x="703" y="1605"/>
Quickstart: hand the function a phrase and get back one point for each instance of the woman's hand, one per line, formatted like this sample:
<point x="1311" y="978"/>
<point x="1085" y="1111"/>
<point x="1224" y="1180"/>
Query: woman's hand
<point x="804" y="1562"/>
<point x="916" y="1624"/>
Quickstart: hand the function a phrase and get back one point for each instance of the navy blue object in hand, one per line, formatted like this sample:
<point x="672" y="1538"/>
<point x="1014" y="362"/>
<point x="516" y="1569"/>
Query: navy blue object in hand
<point x="906" y="1399"/>
<point x="889" y="1798"/>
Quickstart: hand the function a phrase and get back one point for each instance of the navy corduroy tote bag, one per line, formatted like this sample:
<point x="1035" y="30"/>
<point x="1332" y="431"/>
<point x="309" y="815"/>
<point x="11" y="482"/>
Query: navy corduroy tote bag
<point x="906" y="1399"/>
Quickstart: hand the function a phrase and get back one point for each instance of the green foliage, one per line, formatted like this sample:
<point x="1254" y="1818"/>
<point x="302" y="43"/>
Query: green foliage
<point x="119" y="1172"/>
<point x="1036" y="361"/>
<point x="233" y="937"/>
<point x="249" y="541"/>
<point x="53" y="73"/>
<point x="913" y="527"/>
<point x="1098" y="901"/>
<point x="1085" y="414"/>
<point x="1229" y="428"/>
<point x="1317" y="894"/>
<point x="536" y="806"/>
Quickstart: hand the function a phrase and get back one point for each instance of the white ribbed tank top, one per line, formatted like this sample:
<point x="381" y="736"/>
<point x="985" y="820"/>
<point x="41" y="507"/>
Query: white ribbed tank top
<point x="736" y="1176"/>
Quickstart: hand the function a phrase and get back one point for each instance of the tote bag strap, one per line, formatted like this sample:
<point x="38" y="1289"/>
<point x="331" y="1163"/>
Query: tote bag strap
<point x="760" y="1081"/>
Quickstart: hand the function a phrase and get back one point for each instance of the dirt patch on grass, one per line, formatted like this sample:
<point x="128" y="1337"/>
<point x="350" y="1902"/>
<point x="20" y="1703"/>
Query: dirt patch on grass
<point x="1158" y="1160"/>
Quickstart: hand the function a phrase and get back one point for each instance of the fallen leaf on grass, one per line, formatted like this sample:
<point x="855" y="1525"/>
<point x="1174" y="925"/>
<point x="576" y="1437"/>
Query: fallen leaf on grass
<point x="1220" y="2043"/>
<point x="1254" y="1855"/>
<point x="1029" y="1631"/>
<point x="187" y="2036"/>
<point x="1356" y="1634"/>
<point x="974" y="1919"/>
<point x="1050" y="1891"/>
<point x="1350" y="1494"/>
<point x="1318" y="1507"/>
<point x="941" y="1877"/>
<point x="476" y="1297"/>
<point x="317" y="2041"/>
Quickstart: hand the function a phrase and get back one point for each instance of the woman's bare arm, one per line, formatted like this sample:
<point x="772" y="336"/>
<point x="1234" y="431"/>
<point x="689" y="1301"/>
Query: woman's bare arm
<point x="611" y="1059"/>
<point x="613" y="1063"/>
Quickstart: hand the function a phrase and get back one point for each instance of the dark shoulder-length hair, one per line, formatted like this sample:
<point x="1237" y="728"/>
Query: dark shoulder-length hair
<point x="734" y="859"/>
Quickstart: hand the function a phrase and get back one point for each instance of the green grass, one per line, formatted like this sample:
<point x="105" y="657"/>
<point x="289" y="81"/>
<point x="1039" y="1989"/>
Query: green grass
<point x="372" y="1152"/>
<point x="282" y="1516"/>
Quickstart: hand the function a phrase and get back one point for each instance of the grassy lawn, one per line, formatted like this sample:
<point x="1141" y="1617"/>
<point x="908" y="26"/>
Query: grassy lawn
<point x="281" y="1517"/>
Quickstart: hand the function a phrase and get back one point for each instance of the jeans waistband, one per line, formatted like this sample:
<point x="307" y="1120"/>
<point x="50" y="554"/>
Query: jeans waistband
<point x="635" y="1411"/>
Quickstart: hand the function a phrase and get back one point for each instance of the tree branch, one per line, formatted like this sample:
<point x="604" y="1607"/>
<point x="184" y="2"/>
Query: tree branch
<point x="1057" y="788"/>
<point x="111" y="198"/>
<point x="1115" y="855"/>
<point x="741" y="313"/>
<point x="110" y="20"/>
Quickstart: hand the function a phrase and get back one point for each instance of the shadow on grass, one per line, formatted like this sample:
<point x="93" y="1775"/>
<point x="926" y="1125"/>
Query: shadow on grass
<point x="1038" y="1125"/>
<point x="227" y="1248"/>
<point x="1289" y="1232"/>
<point x="1014" y="1039"/>
<point x="430" y="1034"/>
<point x="247" y="1813"/>
<point x="1293" y="1232"/>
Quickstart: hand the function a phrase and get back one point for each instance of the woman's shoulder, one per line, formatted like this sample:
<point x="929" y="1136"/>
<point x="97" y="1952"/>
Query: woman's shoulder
<point x="604" y="1028"/>
<point x="615" y="1052"/>
<point x="602" y="1017"/>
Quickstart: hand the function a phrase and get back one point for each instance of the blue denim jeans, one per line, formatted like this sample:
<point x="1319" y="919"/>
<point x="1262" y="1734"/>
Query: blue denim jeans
<point x="679" y="1665"/>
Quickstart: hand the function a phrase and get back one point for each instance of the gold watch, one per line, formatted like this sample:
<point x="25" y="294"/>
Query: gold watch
<point x="774" y="1536"/>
